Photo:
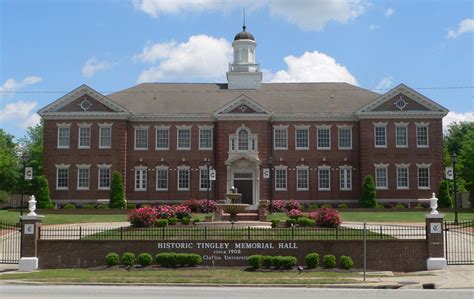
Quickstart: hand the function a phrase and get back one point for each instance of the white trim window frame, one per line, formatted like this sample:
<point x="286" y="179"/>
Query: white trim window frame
<point x="62" y="176"/>
<point x="104" y="176"/>
<point x="206" y="137"/>
<point x="403" y="176"/>
<point x="380" y="135"/>
<point x="141" y="138"/>
<point x="344" y="133"/>
<point x="141" y="178"/>
<point x="302" y="178"/>
<point x="162" y="178"/>
<point x="323" y="138"/>
<point x="64" y="135"/>
<point x="423" y="176"/>
<point x="345" y="178"/>
<point x="281" y="178"/>
<point x="401" y="135"/>
<point x="422" y="135"/>
<point x="280" y="137"/>
<point x="162" y="138"/>
<point x="302" y="137"/>
<point x="184" y="178"/>
<point x="324" y="178"/>
<point x="203" y="179"/>
<point x="83" y="177"/>
<point x="105" y="139"/>
<point x="84" y="136"/>
<point x="183" y="138"/>
<point x="381" y="176"/>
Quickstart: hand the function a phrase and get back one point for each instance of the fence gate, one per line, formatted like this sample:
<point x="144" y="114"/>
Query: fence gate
<point x="459" y="239"/>
<point x="10" y="242"/>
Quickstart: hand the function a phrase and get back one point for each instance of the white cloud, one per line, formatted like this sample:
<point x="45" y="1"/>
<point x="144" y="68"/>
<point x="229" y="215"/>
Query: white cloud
<point x="93" y="65"/>
<point x="385" y="83"/>
<point x="306" y="14"/>
<point x="11" y="85"/>
<point x="373" y="27"/>
<point x="455" y="117"/>
<point x="202" y="56"/>
<point x="20" y="114"/>
<point x="313" y="67"/>
<point x="466" y="25"/>
<point x="389" y="12"/>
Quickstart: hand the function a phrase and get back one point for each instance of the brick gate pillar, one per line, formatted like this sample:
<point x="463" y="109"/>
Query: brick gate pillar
<point x="435" y="238"/>
<point x="30" y="228"/>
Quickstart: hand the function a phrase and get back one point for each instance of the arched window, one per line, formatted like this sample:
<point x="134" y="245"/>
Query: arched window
<point x="243" y="140"/>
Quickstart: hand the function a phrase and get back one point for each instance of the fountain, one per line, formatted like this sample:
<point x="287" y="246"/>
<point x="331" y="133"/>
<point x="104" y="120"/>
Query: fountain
<point x="232" y="205"/>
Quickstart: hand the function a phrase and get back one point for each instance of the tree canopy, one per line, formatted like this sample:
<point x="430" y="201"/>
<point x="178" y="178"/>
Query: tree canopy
<point x="9" y="163"/>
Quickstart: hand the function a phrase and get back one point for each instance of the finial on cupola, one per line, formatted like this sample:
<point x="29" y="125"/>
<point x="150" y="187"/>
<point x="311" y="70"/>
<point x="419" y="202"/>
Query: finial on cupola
<point x="244" y="27"/>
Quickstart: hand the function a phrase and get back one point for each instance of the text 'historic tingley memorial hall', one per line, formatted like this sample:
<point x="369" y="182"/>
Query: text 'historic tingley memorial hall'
<point x="313" y="142"/>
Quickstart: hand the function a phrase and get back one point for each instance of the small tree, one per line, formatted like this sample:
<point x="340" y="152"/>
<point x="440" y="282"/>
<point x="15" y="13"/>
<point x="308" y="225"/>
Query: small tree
<point x="42" y="194"/>
<point x="117" y="196"/>
<point x="444" y="196"/>
<point x="368" y="196"/>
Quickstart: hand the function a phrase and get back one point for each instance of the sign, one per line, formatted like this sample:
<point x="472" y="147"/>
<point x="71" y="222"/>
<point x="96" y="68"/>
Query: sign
<point x="29" y="229"/>
<point x="212" y="175"/>
<point x="28" y="173"/>
<point x="435" y="228"/>
<point x="266" y="173"/>
<point x="448" y="173"/>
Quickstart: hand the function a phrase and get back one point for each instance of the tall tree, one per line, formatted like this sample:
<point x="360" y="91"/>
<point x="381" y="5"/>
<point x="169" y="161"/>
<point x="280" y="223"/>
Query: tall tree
<point x="9" y="163"/>
<point x="117" y="194"/>
<point x="33" y="144"/>
<point x="368" y="196"/>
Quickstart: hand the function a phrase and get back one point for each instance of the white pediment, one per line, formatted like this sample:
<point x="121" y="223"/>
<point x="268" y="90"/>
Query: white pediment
<point x="248" y="106"/>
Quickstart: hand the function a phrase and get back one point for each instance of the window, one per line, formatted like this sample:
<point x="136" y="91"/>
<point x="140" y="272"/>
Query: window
<point x="302" y="137"/>
<point x="402" y="176"/>
<point x="62" y="177"/>
<point x="345" y="137"/>
<point x="161" y="178"/>
<point x="141" y="137"/>
<point x="381" y="176"/>
<point x="243" y="140"/>
<point x="105" y="135"/>
<point x="423" y="176"/>
<point x="324" y="137"/>
<point x="302" y="178"/>
<point x="345" y="178"/>
<point x="280" y="178"/>
<point x="380" y="134"/>
<point x="280" y="134"/>
<point x="421" y="134"/>
<point x="83" y="177"/>
<point x="401" y="134"/>
<point x="183" y="178"/>
<point x="104" y="177"/>
<point x="84" y="135"/>
<point x="324" y="178"/>
<point x="140" y="178"/>
<point x="204" y="179"/>
<point x="63" y="135"/>
<point x="162" y="137"/>
<point x="205" y="138"/>
<point x="184" y="137"/>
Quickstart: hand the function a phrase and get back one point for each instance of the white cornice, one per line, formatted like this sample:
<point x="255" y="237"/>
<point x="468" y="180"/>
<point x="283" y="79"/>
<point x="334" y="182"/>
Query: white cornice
<point x="401" y="115"/>
<point x="172" y="117"/>
<point x="84" y="115"/>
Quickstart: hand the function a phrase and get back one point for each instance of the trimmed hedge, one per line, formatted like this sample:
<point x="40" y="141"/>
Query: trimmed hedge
<point x="70" y="206"/>
<point x="161" y="222"/>
<point x="145" y="259"/>
<point x="171" y="259"/>
<point x="267" y="261"/>
<point x="329" y="261"/>
<point x="312" y="260"/>
<point x="255" y="261"/>
<point x="346" y="262"/>
<point x="306" y="222"/>
<point x="112" y="259"/>
<point x="128" y="259"/>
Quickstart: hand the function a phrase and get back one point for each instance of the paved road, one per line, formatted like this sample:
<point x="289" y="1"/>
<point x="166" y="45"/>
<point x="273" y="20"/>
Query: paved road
<point x="138" y="292"/>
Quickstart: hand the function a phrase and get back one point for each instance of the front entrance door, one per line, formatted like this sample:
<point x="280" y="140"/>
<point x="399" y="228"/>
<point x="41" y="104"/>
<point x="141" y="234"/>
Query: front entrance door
<point x="245" y="187"/>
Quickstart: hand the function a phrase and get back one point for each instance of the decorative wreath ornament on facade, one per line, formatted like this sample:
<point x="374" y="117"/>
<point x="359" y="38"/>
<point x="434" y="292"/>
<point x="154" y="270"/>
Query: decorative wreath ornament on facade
<point x="86" y="104"/>
<point x="401" y="103"/>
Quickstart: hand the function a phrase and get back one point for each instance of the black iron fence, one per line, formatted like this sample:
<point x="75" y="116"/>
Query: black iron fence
<point x="10" y="242"/>
<point x="459" y="242"/>
<point x="350" y="232"/>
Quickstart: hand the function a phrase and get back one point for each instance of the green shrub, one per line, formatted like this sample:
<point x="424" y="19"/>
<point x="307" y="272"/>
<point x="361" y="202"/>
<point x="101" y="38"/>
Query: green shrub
<point x="418" y="206"/>
<point x="346" y="262"/>
<point x="166" y="259"/>
<point x="379" y="206"/>
<point x="255" y="261"/>
<point x="313" y="206"/>
<point x="70" y="206"/>
<point x="196" y="220"/>
<point x="4" y="196"/>
<point x="112" y="259"/>
<point x="131" y="206"/>
<point x="306" y="222"/>
<point x="283" y="262"/>
<point x="312" y="260"/>
<point x="290" y="222"/>
<point x="117" y="195"/>
<point x="161" y="222"/>
<point x="277" y="261"/>
<point x="186" y="220"/>
<point x="369" y="194"/>
<point x="145" y="259"/>
<point x="343" y="206"/>
<point x="128" y="259"/>
<point x="88" y="206"/>
<point x="267" y="261"/>
<point x="325" y="206"/>
<point x="444" y="196"/>
<point x="42" y="194"/>
<point x="172" y="221"/>
<point x="400" y="206"/>
<point x="329" y="261"/>
<point x="102" y="206"/>
<point x="171" y="259"/>
<point x="194" y="259"/>
<point x="275" y="223"/>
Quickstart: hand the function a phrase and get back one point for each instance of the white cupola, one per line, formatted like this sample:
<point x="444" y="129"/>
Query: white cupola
<point x="244" y="73"/>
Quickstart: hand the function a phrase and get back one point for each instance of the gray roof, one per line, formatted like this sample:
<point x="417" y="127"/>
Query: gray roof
<point x="206" y="98"/>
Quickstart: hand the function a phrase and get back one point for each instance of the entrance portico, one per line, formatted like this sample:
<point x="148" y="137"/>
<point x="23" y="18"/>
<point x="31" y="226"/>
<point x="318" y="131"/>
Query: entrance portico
<point x="243" y="172"/>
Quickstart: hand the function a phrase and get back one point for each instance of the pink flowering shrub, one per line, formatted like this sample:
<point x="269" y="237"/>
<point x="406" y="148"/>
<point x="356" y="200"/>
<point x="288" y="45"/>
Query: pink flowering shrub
<point x="292" y="204"/>
<point x="143" y="217"/>
<point x="165" y="212"/>
<point x="201" y="206"/>
<point x="192" y="204"/>
<point x="182" y="211"/>
<point x="208" y="209"/>
<point x="295" y="214"/>
<point x="277" y="206"/>
<point x="326" y="217"/>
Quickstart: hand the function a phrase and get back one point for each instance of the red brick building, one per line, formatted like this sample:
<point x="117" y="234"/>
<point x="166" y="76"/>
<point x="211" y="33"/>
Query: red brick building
<point x="319" y="140"/>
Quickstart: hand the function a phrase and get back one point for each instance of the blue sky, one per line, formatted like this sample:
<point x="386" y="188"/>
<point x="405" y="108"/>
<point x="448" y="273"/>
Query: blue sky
<point x="50" y="47"/>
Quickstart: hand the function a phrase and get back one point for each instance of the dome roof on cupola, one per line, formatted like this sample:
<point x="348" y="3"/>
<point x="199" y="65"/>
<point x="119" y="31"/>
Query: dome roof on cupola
<point x="244" y="35"/>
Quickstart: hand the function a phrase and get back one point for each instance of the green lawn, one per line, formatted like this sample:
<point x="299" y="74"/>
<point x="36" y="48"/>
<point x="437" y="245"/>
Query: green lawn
<point x="186" y="275"/>
<point x="64" y="219"/>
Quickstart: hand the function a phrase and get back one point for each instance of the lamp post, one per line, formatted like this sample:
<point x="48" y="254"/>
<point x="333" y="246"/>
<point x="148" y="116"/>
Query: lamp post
<point x="208" y="164"/>
<point x="24" y="159"/>
<point x="270" y="193"/>
<point x="454" y="159"/>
